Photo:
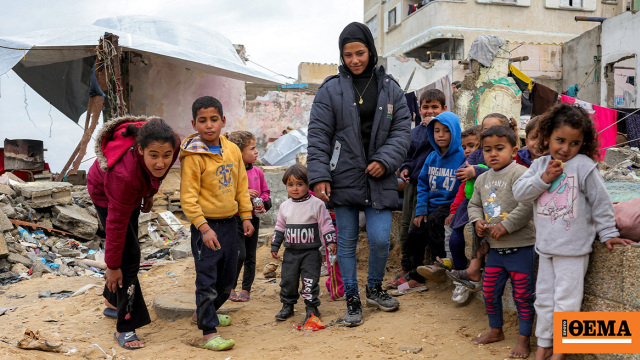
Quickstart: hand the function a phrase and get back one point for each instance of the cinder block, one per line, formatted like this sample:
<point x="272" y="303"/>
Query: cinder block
<point x="46" y="193"/>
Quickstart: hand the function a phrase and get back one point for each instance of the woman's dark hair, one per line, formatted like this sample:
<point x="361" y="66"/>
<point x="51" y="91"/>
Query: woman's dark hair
<point x="574" y="117"/>
<point x="241" y="138"/>
<point x="297" y="171"/>
<point x="500" y="131"/>
<point x="154" y="130"/>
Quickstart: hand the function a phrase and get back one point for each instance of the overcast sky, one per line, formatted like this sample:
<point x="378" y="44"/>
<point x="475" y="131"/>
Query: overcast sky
<point x="277" y="35"/>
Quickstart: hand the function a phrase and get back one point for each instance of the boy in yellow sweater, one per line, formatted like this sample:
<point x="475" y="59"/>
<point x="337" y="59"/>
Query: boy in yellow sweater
<point x="213" y="188"/>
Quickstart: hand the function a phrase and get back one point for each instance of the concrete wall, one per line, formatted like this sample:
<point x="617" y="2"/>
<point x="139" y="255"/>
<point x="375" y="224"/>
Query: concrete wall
<point x="167" y="90"/>
<point x="578" y="60"/>
<point x="313" y="73"/>
<point x="619" y="41"/>
<point x="446" y="19"/>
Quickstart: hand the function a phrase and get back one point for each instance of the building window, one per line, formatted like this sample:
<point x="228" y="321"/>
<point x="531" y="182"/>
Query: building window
<point x="392" y="17"/>
<point x="571" y="3"/>
<point x="373" y="26"/>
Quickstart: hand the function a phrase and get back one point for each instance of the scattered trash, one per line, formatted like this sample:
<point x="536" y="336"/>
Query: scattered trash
<point x="16" y="296"/>
<point x="171" y="274"/>
<point x="313" y="324"/>
<point x="270" y="270"/>
<point x="4" y="310"/>
<point x="34" y="341"/>
<point x="158" y="254"/>
<point x="58" y="294"/>
<point x="50" y="319"/>
<point x="84" y="289"/>
<point x="71" y="351"/>
<point x="105" y="354"/>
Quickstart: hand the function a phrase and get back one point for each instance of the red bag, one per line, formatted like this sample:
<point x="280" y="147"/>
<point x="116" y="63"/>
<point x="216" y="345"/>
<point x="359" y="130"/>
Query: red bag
<point x="628" y="218"/>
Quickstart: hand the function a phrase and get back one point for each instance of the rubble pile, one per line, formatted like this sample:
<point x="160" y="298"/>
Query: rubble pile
<point x="621" y="171"/>
<point x="51" y="227"/>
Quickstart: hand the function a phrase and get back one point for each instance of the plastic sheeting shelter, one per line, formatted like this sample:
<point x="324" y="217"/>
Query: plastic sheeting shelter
<point x="284" y="150"/>
<point x="57" y="63"/>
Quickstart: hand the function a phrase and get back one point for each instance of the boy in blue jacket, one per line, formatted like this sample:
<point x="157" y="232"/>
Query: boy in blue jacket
<point x="437" y="187"/>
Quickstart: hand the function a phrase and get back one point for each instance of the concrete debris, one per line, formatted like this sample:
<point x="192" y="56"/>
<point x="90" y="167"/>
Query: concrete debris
<point x="4" y="250"/>
<point x="5" y="224"/>
<point x="181" y="251"/>
<point x="45" y="193"/>
<point x="76" y="220"/>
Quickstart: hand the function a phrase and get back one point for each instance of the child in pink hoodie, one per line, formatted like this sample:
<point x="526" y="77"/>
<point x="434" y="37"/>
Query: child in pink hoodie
<point x="258" y="188"/>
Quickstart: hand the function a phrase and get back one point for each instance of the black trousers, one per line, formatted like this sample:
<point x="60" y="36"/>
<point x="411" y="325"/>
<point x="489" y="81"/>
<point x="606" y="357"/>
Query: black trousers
<point x="430" y="234"/>
<point x="300" y="265"/>
<point x="215" y="271"/>
<point x="247" y="254"/>
<point x="132" y="310"/>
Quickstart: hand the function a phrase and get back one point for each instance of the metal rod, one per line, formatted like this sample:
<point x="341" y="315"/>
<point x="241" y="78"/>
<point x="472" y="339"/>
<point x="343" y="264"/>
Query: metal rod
<point x="590" y="18"/>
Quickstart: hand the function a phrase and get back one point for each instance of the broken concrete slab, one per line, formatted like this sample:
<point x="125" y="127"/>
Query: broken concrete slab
<point x="181" y="251"/>
<point x="175" y="306"/>
<point x="5" y="224"/>
<point x="19" y="259"/>
<point x="8" y="210"/>
<point x="4" y="250"/>
<point x="75" y="220"/>
<point x="616" y="156"/>
<point x="7" y="190"/>
<point x="46" y="193"/>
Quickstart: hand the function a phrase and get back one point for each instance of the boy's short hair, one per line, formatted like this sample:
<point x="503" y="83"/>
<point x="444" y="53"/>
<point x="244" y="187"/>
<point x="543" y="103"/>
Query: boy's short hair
<point x="206" y="102"/>
<point x="298" y="171"/>
<point x="474" y="130"/>
<point x="432" y="95"/>
<point x="500" y="131"/>
<point x="532" y="125"/>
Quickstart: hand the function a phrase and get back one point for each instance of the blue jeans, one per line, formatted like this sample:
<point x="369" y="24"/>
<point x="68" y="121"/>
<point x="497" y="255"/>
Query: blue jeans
<point x="378" y="233"/>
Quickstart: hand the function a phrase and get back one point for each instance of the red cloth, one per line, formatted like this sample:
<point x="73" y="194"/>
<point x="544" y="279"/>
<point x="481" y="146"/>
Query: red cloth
<point x="460" y="196"/>
<point x="121" y="189"/>
<point x="602" y="118"/>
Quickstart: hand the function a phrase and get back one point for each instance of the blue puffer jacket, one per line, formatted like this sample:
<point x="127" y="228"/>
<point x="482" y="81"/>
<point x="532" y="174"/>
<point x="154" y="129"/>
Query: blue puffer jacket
<point x="335" y="150"/>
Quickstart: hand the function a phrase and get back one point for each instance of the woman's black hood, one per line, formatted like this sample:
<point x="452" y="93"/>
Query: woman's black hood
<point x="358" y="32"/>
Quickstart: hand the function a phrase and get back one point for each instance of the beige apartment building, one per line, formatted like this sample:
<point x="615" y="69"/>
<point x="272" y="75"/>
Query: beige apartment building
<point x="444" y="29"/>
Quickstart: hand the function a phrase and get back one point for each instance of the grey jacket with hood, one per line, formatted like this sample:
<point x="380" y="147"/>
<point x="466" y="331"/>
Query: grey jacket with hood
<point x="335" y="147"/>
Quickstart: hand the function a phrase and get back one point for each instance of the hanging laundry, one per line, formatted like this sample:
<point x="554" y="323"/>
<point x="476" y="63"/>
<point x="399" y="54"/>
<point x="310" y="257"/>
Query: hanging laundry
<point x="543" y="98"/>
<point x="444" y="84"/>
<point x="602" y="118"/>
<point x="633" y="127"/>
<point x="573" y="91"/>
<point x="522" y="80"/>
<point x="412" y="103"/>
<point x="485" y="48"/>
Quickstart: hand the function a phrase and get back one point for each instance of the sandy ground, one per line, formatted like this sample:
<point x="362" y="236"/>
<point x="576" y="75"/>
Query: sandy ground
<point x="430" y="320"/>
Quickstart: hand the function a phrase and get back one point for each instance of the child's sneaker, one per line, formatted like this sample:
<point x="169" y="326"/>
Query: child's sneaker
<point x="378" y="297"/>
<point x="285" y="313"/>
<point x="311" y="310"/>
<point x="217" y="343"/>
<point x="460" y="293"/>
<point x="353" y="317"/>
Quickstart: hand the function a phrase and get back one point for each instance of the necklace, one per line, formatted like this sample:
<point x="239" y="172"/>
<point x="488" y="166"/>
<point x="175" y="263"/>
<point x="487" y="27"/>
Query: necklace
<point x="363" y="91"/>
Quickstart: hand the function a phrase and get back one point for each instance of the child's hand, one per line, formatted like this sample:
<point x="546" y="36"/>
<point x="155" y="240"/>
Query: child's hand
<point x="253" y="193"/>
<point x="447" y="220"/>
<point x="481" y="228"/>
<point x="247" y="227"/>
<point x="274" y="254"/>
<point x="404" y="175"/>
<point x="259" y="209"/>
<point x="497" y="231"/>
<point x="375" y="169"/>
<point x="209" y="237"/>
<point x="147" y="204"/>
<point x="426" y="120"/>
<point x="467" y="173"/>
<point x="419" y="220"/>
<point x="333" y="248"/>
<point x="616" y="240"/>
<point x="554" y="169"/>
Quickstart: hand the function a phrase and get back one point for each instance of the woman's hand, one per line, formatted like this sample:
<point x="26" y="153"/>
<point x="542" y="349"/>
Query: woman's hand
<point x="113" y="279"/>
<point x="375" y="169"/>
<point x="209" y="237"/>
<point x="147" y="204"/>
<point x="322" y="190"/>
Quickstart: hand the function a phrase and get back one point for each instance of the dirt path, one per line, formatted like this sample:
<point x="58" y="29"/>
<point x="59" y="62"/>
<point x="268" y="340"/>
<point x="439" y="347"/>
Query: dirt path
<point x="429" y="320"/>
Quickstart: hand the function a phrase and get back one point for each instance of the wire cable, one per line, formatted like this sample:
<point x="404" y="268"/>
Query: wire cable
<point x="285" y="76"/>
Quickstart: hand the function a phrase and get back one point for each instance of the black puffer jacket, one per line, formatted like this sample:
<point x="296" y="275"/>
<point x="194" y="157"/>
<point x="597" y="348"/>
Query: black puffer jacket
<point x="335" y="150"/>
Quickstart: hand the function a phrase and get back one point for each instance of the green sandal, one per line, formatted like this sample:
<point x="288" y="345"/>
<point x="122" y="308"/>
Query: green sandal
<point x="223" y="320"/>
<point x="217" y="343"/>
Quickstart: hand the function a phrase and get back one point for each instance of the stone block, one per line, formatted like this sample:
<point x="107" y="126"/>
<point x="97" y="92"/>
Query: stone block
<point x="19" y="259"/>
<point x="5" y="224"/>
<point x="4" y="250"/>
<point x="615" y="156"/>
<point x="175" y="306"/>
<point x="75" y="220"/>
<point x="7" y="210"/>
<point x="7" y="190"/>
<point x="181" y="251"/>
<point x="601" y="279"/>
<point x="46" y="193"/>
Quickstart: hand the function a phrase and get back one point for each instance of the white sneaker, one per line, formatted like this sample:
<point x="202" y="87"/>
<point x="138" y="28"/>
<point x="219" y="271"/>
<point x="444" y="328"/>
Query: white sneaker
<point x="324" y="271"/>
<point x="460" y="293"/>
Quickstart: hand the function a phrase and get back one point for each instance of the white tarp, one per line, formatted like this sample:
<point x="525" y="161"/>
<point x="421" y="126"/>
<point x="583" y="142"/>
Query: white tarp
<point x="284" y="150"/>
<point x="188" y="45"/>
